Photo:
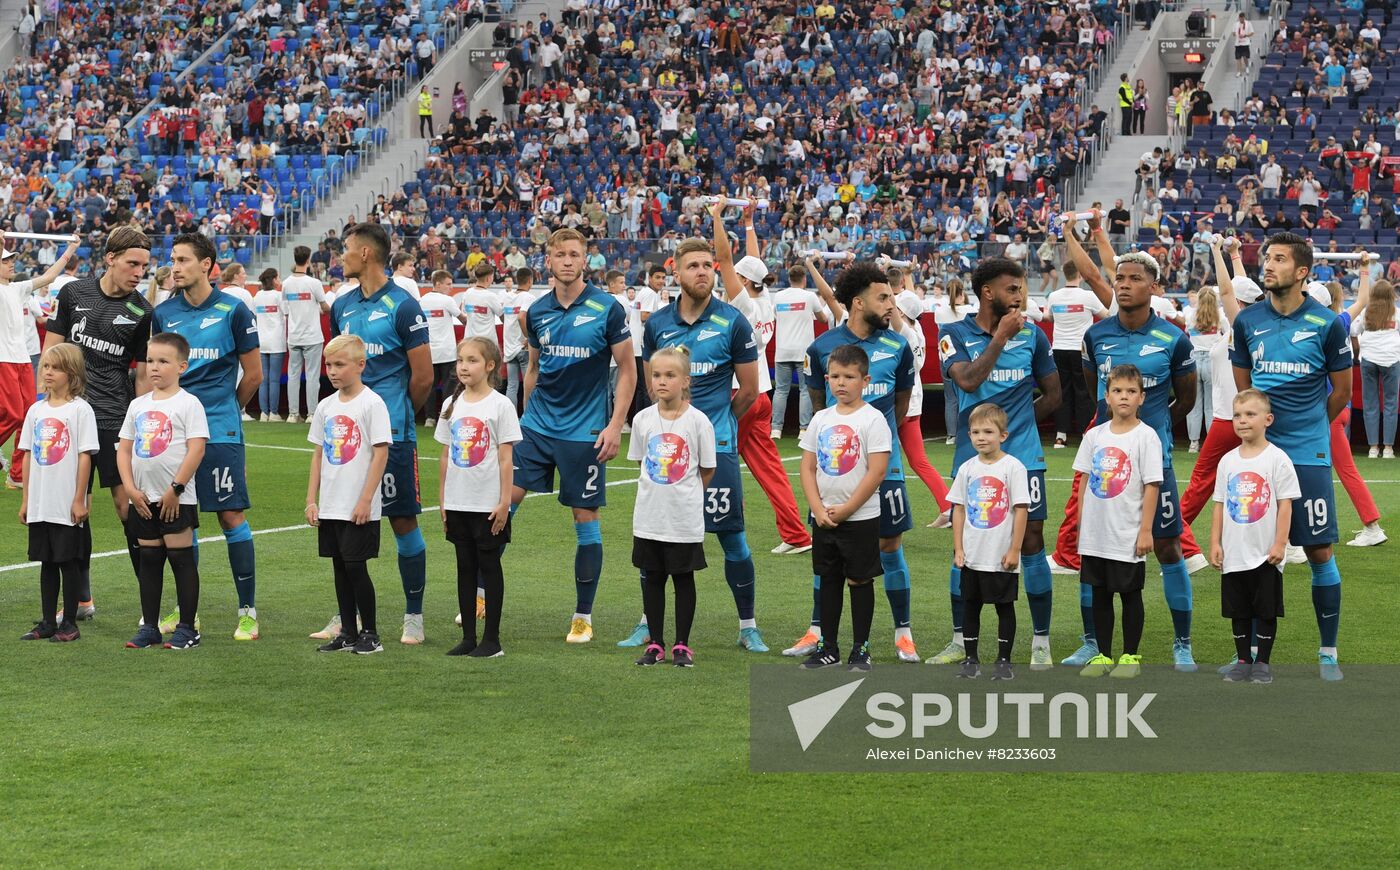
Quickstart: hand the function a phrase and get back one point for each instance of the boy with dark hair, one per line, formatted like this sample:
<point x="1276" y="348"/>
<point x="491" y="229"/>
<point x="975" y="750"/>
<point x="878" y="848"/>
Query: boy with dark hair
<point x="845" y="454"/>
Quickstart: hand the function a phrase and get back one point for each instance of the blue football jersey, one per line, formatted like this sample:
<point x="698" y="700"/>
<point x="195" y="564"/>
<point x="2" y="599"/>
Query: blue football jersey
<point x="1023" y="361"/>
<point x="719" y="339"/>
<point x="1159" y="350"/>
<point x="891" y="373"/>
<point x="570" y="398"/>
<point x="219" y="331"/>
<point x="390" y="323"/>
<point x="1290" y="357"/>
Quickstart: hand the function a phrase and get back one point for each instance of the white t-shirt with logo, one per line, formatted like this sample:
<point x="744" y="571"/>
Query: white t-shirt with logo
<point x="670" y="502"/>
<point x="989" y="493"/>
<point x="843" y="444"/>
<point x="54" y="438"/>
<point x="272" y="323"/>
<point x="346" y="432"/>
<point x="795" y="311"/>
<point x="1250" y="490"/>
<point x="473" y="433"/>
<point x="1073" y="310"/>
<point x="516" y="302"/>
<point x="1117" y="468"/>
<point x="644" y="301"/>
<point x="758" y="311"/>
<point x="443" y="316"/>
<point x="1379" y="347"/>
<point x="159" y="431"/>
<point x="302" y="296"/>
<point x="14" y="302"/>
<point x="482" y="305"/>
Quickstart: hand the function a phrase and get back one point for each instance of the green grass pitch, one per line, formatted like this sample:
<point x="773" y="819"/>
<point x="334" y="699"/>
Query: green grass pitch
<point x="238" y="754"/>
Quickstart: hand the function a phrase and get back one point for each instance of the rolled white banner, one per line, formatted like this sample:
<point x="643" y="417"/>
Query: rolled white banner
<point x="43" y="237"/>
<point x="1079" y="215"/>
<point x="825" y="255"/>
<point x="1344" y="257"/>
<point x="760" y="204"/>
<point x="1225" y="241"/>
<point x="898" y="264"/>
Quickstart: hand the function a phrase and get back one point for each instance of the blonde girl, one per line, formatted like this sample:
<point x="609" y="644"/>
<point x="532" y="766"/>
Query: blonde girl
<point x="675" y="445"/>
<point x="59" y="438"/>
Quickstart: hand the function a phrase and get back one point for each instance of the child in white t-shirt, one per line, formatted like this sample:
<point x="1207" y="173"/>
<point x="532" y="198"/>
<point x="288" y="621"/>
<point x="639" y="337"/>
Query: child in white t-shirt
<point x="478" y="430"/>
<point x="162" y="444"/>
<point x="845" y="453"/>
<point x="675" y="444"/>
<point x="1123" y="463"/>
<point x="58" y="439"/>
<point x="351" y="431"/>
<point x="444" y="316"/>
<point x="1255" y="486"/>
<point x="991" y="499"/>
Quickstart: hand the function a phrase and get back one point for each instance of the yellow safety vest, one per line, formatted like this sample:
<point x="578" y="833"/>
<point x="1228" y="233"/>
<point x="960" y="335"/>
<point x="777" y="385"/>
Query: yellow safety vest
<point x="425" y="103"/>
<point x="1125" y="99"/>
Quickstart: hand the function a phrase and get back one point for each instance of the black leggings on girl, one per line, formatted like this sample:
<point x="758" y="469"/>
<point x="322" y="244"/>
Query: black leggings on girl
<point x="1133" y="616"/>
<point x="1006" y="628"/>
<point x="480" y="566"/>
<point x="152" y="578"/>
<point x="654" y="605"/>
<point x="354" y="592"/>
<point x="49" y="573"/>
<point x="862" y="610"/>
<point x="1264" y="631"/>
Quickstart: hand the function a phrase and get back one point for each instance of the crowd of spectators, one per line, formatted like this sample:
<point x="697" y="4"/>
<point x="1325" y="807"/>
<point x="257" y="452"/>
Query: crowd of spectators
<point x="868" y="126"/>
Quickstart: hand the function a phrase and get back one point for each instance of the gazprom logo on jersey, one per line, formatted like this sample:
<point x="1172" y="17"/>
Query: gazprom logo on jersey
<point x="1007" y="376"/>
<point x="930" y="720"/>
<point x="566" y="350"/>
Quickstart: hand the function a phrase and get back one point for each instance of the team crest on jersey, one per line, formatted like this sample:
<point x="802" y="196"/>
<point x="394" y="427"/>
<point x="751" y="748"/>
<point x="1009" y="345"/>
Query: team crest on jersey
<point x="123" y="320"/>
<point x="584" y="318"/>
<point x="706" y="334"/>
<point x="1150" y="349"/>
<point x="377" y="315"/>
<point x="471" y="438"/>
<point x="988" y="502"/>
<point x="51" y="441"/>
<point x="838" y="450"/>
<point x="341" y="441"/>
<point x="210" y="321"/>
<point x="1012" y="345"/>
<point x="879" y="355"/>
<point x="667" y="459"/>
<point x="1247" y="497"/>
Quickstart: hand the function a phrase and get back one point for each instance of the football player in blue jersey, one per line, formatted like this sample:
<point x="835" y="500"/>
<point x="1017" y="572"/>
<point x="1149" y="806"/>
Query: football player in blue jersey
<point x="1162" y="353"/>
<point x="1294" y="349"/>
<point x="223" y="337"/>
<point x="864" y="296"/>
<point x="399" y="368"/>
<point x="723" y="349"/>
<point x="573" y="331"/>
<point x="995" y="356"/>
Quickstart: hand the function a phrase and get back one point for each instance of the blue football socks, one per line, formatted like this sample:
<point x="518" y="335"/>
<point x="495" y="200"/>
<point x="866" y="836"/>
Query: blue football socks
<point x="1039" y="590"/>
<point x="413" y="569"/>
<point x="1327" y="600"/>
<point x="897" y="585"/>
<point x="242" y="563"/>
<point x="588" y="564"/>
<point x="738" y="571"/>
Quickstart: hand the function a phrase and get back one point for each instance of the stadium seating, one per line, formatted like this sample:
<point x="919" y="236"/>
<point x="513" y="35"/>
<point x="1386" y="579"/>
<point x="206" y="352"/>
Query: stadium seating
<point x="1317" y="145"/>
<point x="266" y="55"/>
<point x="629" y="76"/>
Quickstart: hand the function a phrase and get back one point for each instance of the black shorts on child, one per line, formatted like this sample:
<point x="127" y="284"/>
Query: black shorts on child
<point x="57" y="543"/>
<point x="668" y="557"/>
<point x="1253" y="594"/>
<point x="155" y="528"/>
<point x="1112" y="575"/>
<point x="350" y="543"/>
<point x="989" y="587"/>
<point x="464" y="527"/>
<point x="851" y="550"/>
